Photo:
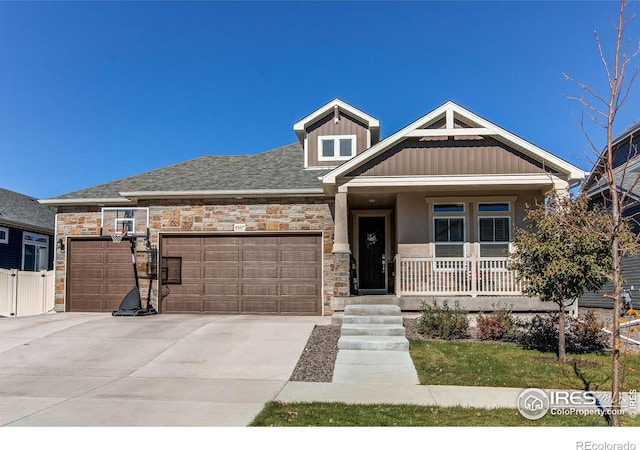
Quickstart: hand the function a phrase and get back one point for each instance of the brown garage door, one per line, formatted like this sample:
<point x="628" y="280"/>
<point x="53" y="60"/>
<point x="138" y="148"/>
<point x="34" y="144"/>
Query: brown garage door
<point x="245" y="274"/>
<point x="100" y="274"/>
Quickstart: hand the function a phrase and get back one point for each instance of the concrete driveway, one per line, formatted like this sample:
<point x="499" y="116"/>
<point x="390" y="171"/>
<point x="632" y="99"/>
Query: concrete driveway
<point x="79" y="369"/>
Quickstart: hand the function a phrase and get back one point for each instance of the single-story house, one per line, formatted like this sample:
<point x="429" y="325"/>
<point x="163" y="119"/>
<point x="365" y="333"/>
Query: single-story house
<point x="26" y="232"/>
<point x="626" y="167"/>
<point x="425" y="213"/>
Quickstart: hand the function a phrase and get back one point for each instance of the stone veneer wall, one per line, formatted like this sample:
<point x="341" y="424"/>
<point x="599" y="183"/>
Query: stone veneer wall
<point x="259" y="215"/>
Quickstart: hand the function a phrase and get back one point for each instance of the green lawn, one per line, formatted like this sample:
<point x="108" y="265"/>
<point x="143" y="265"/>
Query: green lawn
<point x="470" y="364"/>
<point x="487" y="364"/>
<point x="342" y="415"/>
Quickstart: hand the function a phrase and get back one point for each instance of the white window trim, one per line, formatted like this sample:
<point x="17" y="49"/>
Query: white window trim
<point x="336" y="147"/>
<point x="506" y="216"/>
<point x="462" y="243"/>
<point x="495" y="215"/>
<point x="4" y="240"/>
<point x="36" y="243"/>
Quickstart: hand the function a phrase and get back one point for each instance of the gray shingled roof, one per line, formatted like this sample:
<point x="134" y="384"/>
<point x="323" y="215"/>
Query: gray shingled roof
<point x="21" y="210"/>
<point x="281" y="168"/>
<point x="627" y="174"/>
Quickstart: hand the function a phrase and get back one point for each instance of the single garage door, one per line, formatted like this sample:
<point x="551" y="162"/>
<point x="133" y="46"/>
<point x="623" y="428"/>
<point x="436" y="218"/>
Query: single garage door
<point x="100" y="274"/>
<point x="264" y="274"/>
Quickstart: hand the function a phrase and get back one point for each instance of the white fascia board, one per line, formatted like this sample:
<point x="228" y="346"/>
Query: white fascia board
<point x="300" y="125"/>
<point x="85" y="201"/>
<point x="573" y="172"/>
<point x="455" y="180"/>
<point x="225" y="193"/>
<point x="438" y="132"/>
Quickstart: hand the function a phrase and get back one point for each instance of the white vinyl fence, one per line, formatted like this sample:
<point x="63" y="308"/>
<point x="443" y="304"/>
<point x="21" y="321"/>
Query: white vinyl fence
<point x="26" y="293"/>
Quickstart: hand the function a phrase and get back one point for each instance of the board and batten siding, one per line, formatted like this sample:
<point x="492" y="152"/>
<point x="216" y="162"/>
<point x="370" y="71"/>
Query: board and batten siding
<point x="442" y="156"/>
<point x="631" y="274"/>
<point x="326" y="127"/>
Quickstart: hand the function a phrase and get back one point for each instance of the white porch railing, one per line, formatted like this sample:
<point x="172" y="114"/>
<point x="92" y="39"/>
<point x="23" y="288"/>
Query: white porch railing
<point x="26" y="293"/>
<point x="471" y="276"/>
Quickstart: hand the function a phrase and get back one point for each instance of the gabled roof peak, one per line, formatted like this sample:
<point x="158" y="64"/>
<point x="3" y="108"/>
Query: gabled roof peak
<point x="371" y="122"/>
<point x="478" y="126"/>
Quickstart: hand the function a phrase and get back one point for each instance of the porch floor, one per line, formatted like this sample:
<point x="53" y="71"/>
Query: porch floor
<point x="472" y="304"/>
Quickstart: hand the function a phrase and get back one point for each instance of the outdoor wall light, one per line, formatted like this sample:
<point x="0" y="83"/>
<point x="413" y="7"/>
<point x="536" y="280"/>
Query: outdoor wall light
<point x="60" y="245"/>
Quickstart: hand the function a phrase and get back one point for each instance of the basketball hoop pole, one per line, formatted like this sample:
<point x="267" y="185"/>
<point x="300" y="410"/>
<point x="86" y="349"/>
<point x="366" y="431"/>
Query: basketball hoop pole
<point x="132" y="241"/>
<point x="132" y="303"/>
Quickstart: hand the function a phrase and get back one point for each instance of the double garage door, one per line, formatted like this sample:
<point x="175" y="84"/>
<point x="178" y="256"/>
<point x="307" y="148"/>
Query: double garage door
<point x="235" y="274"/>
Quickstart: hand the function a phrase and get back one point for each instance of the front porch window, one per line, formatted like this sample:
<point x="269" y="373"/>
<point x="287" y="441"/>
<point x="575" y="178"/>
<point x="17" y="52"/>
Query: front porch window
<point x="494" y="230"/>
<point x="448" y="231"/>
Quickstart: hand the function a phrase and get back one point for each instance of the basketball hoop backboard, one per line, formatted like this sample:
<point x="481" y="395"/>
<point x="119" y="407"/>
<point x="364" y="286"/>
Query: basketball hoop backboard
<point x="135" y="221"/>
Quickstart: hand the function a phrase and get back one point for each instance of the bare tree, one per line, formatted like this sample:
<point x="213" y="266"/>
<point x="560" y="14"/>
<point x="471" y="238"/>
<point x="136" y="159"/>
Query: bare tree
<point x="602" y="109"/>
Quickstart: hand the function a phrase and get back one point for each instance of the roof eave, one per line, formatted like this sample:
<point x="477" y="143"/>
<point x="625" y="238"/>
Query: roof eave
<point x="114" y="201"/>
<point x="250" y="193"/>
<point x="26" y="226"/>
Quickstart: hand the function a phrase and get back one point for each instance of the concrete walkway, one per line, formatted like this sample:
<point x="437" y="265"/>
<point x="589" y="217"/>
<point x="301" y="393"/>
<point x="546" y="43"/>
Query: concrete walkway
<point x="477" y="397"/>
<point x="366" y="376"/>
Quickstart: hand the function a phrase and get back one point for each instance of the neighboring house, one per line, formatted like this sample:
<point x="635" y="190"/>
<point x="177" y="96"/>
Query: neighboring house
<point x="425" y="213"/>
<point x="626" y="165"/>
<point x="26" y="233"/>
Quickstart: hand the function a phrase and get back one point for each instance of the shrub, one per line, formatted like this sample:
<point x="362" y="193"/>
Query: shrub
<point x="586" y="335"/>
<point x="582" y="336"/>
<point x="500" y="325"/>
<point x="443" y="322"/>
<point x="540" y="333"/>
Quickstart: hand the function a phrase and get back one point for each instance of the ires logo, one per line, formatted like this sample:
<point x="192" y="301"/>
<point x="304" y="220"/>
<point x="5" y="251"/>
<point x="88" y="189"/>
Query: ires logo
<point x="536" y="403"/>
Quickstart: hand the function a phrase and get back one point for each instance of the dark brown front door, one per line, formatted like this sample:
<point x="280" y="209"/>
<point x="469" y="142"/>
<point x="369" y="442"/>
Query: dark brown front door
<point x="371" y="253"/>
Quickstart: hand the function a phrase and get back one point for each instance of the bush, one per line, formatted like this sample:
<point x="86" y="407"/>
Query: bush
<point x="500" y="325"/>
<point x="540" y="333"/>
<point x="586" y="335"/>
<point x="443" y="322"/>
<point x="582" y="336"/>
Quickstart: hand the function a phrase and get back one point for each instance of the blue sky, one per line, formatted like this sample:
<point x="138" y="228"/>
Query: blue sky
<point x="91" y="92"/>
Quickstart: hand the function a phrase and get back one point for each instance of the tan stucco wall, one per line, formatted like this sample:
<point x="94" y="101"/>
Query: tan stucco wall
<point x="414" y="220"/>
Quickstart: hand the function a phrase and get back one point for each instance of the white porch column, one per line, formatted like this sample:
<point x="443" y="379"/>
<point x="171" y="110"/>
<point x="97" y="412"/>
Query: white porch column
<point x="341" y="225"/>
<point x="561" y="187"/>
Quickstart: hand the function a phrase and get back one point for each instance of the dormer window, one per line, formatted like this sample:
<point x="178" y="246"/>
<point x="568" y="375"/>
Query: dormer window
<point x="334" y="148"/>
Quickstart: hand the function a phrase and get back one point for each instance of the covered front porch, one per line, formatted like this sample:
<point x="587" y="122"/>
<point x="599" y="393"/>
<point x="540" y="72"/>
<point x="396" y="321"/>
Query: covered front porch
<point x="429" y="212"/>
<point x="416" y="244"/>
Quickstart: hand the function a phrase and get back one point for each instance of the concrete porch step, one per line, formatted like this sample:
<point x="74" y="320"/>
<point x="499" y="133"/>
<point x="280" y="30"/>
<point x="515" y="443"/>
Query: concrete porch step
<point x="396" y="343"/>
<point x="386" y="319"/>
<point x="376" y="329"/>
<point x="372" y="300"/>
<point x="339" y="303"/>
<point x="372" y="310"/>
